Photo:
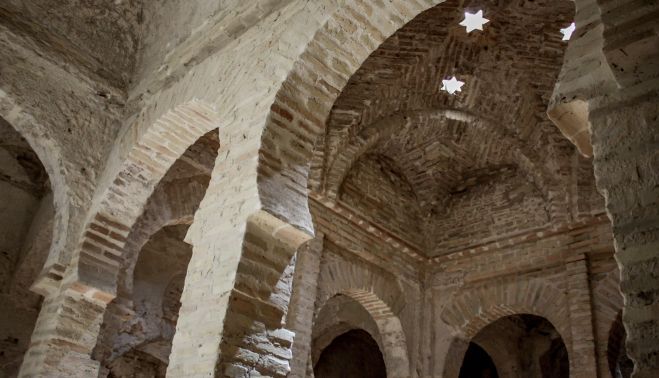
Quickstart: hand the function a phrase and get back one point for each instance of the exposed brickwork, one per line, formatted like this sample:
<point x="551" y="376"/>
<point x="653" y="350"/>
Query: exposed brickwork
<point x="94" y="271"/>
<point x="607" y="306"/>
<point x="64" y="337"/>
<point x="303" y="297"/>
<point x="248" y="301"/>
<point x="374" y="188"/>
<point x="442" y="218"/>
<point x="106" y="232"/>
<point x="306" y="121"/>
<point x="581" y="318"/>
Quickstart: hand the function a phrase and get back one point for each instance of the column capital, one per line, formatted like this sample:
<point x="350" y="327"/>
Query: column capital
<point x="281" y="232"/>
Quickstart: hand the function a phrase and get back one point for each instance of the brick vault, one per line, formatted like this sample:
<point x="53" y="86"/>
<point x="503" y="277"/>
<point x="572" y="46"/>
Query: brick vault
<point x="292" y="188"/>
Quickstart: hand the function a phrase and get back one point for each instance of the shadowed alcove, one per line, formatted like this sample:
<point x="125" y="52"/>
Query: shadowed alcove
<point x="352" y="354"/>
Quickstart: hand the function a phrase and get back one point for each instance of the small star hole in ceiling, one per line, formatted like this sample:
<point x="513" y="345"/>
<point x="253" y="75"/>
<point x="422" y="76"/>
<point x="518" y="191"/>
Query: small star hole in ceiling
<point x="474" y="21"/>
<point x="567" y="32"/>
<point x="452" y="85"/>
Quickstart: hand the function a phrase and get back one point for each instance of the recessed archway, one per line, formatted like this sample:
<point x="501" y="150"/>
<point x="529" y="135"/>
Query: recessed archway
<point x="359" y="309"/>
<point x="352" y="354"/>
<point x="26" y="234"/>
<point x="144" y="339"/>
<point x="119" y="206"/>
<point x="139" y="324"/>
<point x="520" y="345"/>
<point x="477" y="363"/>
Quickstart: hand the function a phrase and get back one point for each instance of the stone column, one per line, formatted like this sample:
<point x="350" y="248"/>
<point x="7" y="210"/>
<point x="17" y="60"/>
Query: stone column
<point x="64" y="336"/>
<point x="626" y="149"/>
<point x="625" y="135"/>
<point x="303" y="299"/>
<point x="583" y="363"/>
<point x="236" y="295"/>
<point x="69" y="322"/>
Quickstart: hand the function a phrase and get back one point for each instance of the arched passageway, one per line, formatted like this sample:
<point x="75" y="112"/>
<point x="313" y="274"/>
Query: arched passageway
<point x="519" y="345"/>
<point x="349" y="153"/>
<point x="434" y="169"/>
<point x="26" y="229"/>
<point x="480" y="183"/>
<point x="139" y="325"/>
<point x="144" y="340"/>
<point x="360" y="310"/>
<point x="352" y="354"/>
<point x="477" y="363"/>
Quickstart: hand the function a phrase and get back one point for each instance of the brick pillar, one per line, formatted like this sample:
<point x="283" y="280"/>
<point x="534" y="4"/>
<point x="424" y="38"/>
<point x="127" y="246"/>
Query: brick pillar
<point x="626" y="148"/>
<point x="303" y="299"/>
<point x="64" y="336"/>
<point x="235" y="298"/>
<point x="582" y="358"/>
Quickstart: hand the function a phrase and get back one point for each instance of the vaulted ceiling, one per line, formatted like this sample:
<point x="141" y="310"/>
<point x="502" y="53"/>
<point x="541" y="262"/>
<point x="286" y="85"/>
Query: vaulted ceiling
<point x="100" y="37"/>
<point x="121" y="41"/>
<point x="441" y="143"/>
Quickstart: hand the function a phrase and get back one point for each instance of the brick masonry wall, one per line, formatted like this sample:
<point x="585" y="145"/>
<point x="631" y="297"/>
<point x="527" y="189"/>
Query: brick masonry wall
<point x="527" y="274"/>
<point x="242" y="89"/>
<point x="255" y="340"/>
<point x="54" y="125"/>
<point x="506" y="204"/>
<point x="372" y="189"/>
<point x="299" y="318"/>
<point x="389" y="307"/>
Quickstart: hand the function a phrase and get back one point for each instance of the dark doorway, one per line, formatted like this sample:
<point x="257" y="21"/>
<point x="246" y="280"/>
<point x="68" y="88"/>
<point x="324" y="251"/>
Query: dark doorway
<point x="620" y="365"/>
<point x="521" y="345"/>
<point x="352" y="354"/>
<point x="477" y="364"/>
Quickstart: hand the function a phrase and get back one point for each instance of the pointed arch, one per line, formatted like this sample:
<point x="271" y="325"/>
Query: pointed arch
<point x="117" y="208"/>
<point x="303" y="103"/>
<point x="388" y="330"/>
<point x="49" y="153"/>
<point x="469" y="312"/>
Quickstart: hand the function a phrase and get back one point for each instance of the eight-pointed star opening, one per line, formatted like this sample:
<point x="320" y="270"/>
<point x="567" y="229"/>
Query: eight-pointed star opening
<point x="474" y="21"/>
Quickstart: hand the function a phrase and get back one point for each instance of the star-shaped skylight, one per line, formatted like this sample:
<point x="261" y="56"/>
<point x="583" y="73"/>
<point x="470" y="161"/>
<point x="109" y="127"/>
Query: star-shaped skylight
<point x="452" y="85"/>
<point x="474" y="21"/>
<point x="567" y="32"/>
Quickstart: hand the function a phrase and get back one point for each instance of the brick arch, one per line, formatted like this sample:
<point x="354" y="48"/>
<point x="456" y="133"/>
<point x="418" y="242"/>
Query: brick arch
<point x="340" y="277"/>
<point x="389" y="125"/>
<point x="469" y="312"/>
<point x="173" y="203"/>
<point x="303" y="102"/>
<point x="49" y="153"/>
<point x="117" y="208"/>
<point x="331" y="321"/>
<point x="459" y="345"/>
<point x="389" y="330"/>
